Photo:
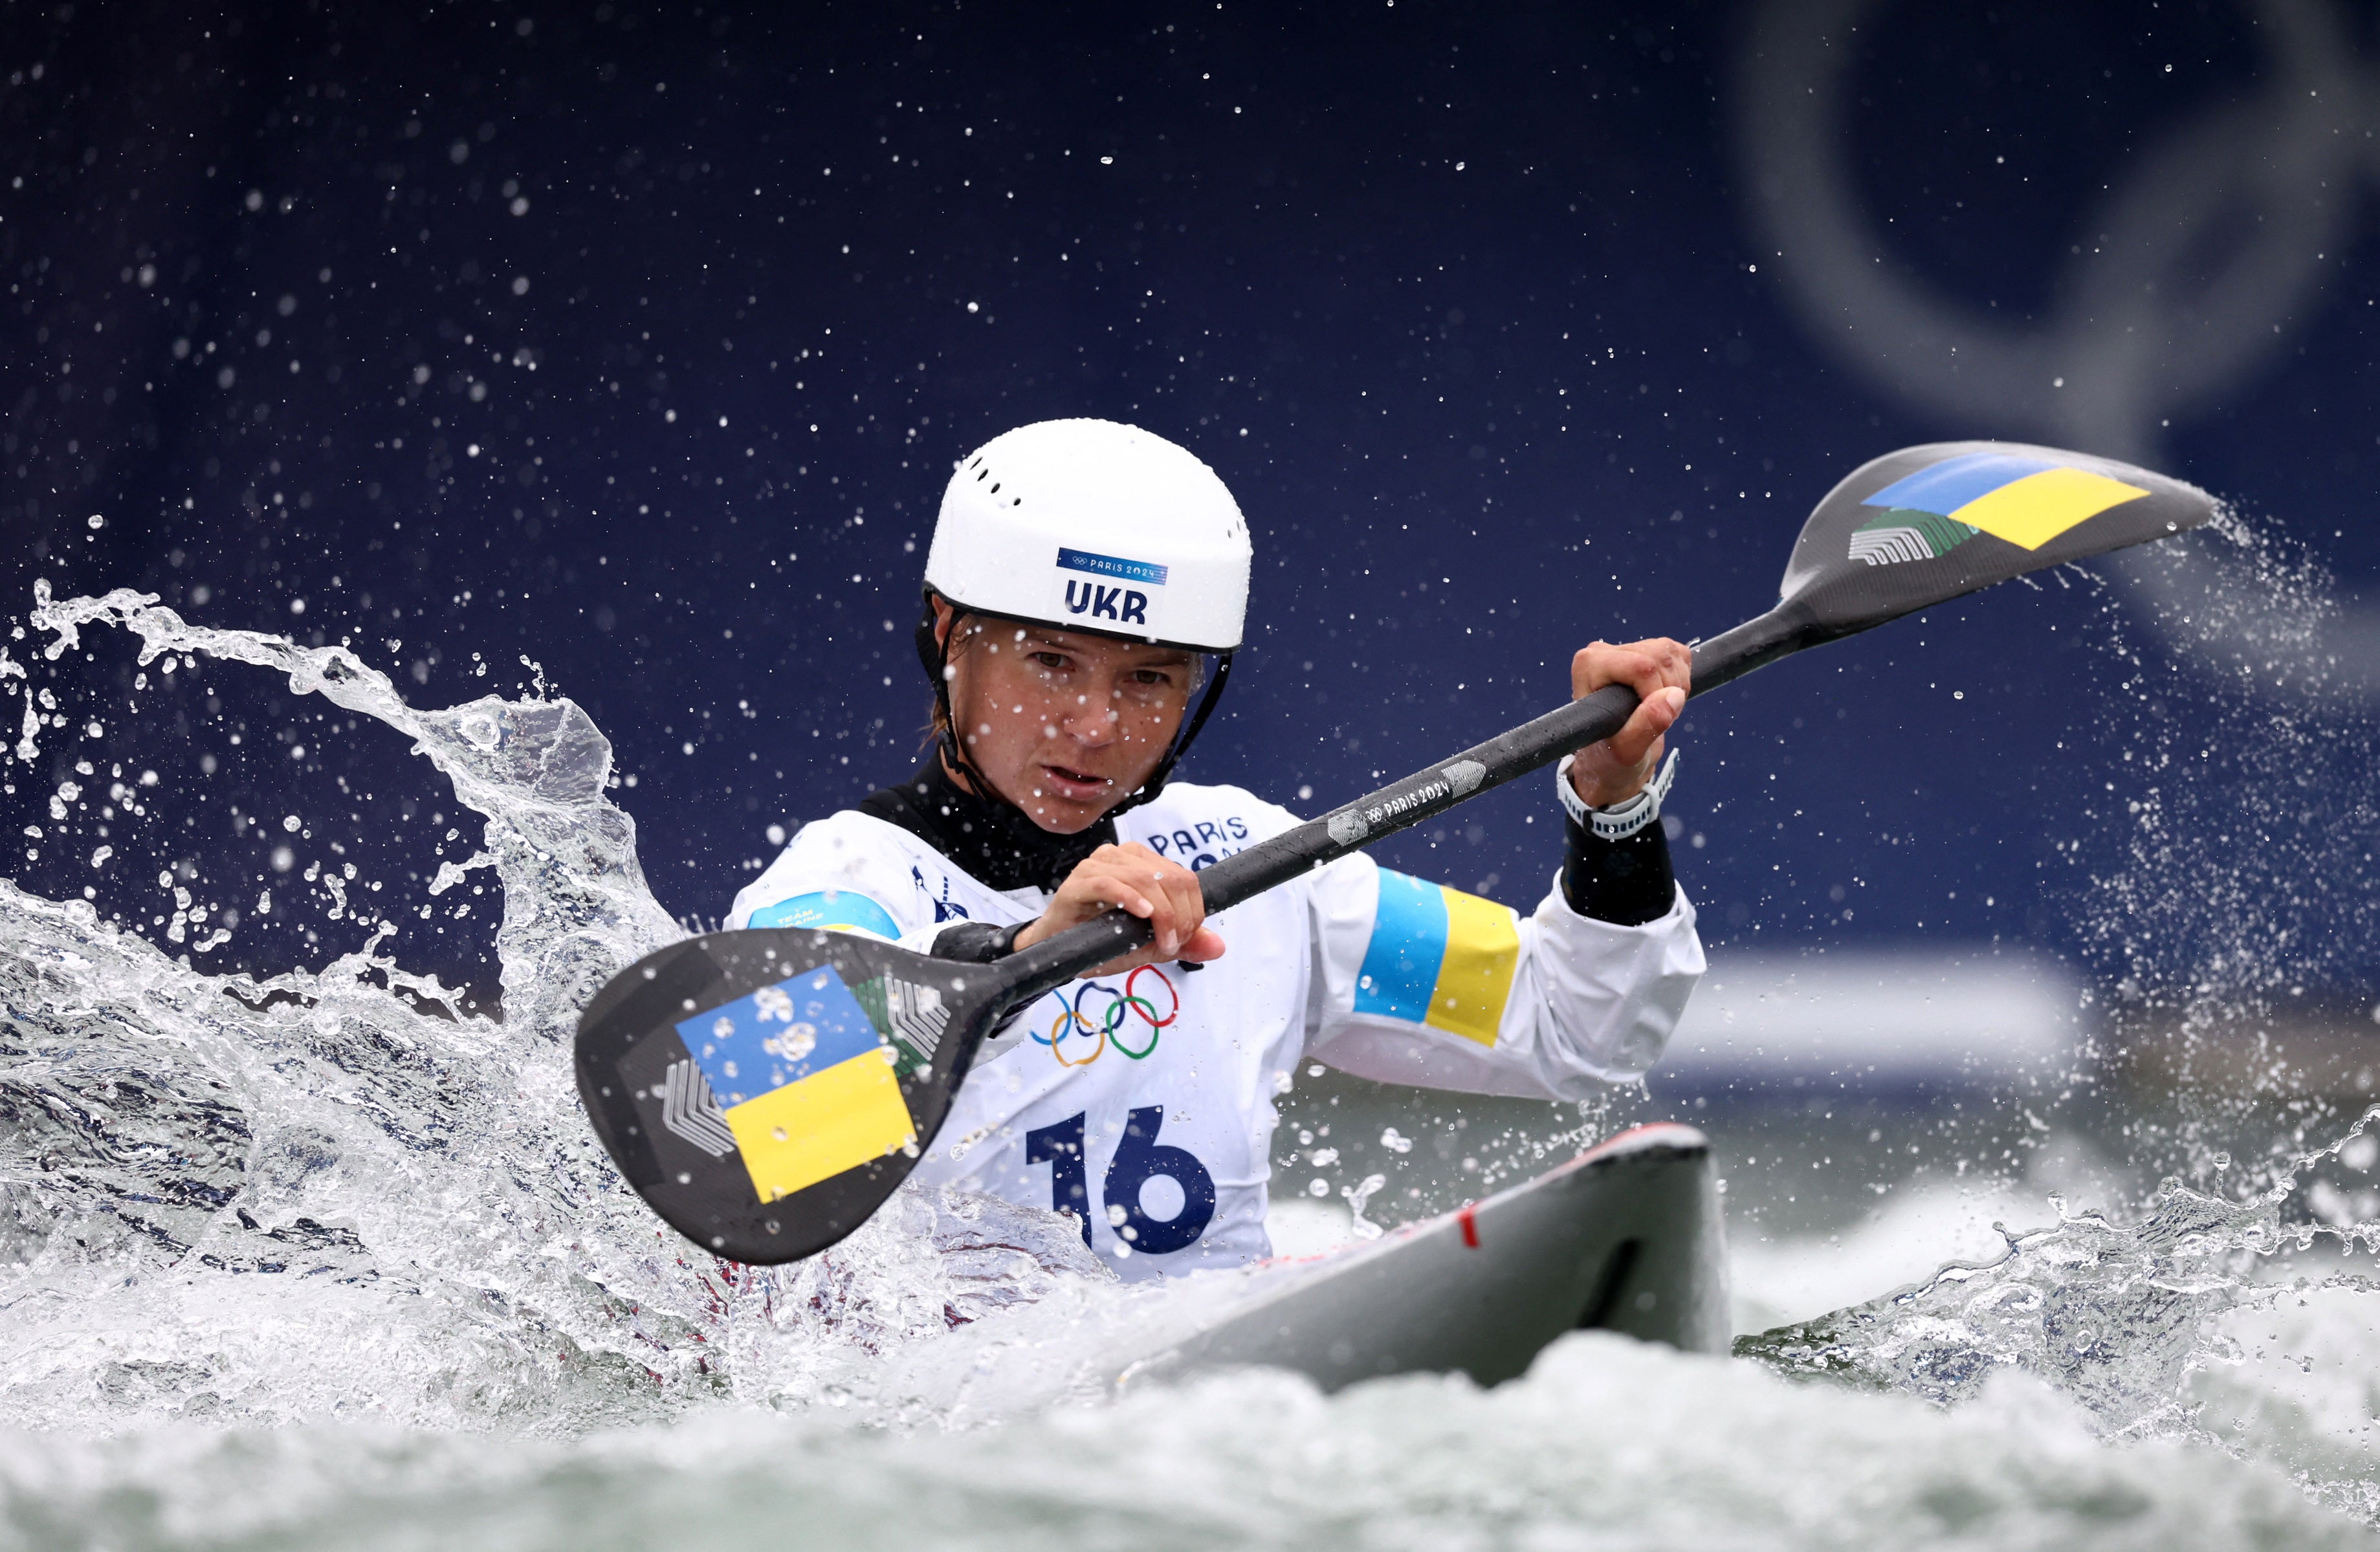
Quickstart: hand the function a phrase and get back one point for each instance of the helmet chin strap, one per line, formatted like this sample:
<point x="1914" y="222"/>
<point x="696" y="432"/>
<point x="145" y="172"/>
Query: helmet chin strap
<point x="933" y="652"/>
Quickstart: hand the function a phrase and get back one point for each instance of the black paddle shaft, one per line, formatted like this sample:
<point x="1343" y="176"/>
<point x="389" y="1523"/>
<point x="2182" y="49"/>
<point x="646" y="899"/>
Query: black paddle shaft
<point x="1873" y="550"/>
<point x="1403" y="804"/>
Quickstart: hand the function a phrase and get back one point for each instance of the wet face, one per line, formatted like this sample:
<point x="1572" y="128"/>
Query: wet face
<point x="1064" y="725"/>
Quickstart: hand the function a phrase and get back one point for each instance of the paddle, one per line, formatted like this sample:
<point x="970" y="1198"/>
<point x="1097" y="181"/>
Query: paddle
<point x="766" y="1090"/>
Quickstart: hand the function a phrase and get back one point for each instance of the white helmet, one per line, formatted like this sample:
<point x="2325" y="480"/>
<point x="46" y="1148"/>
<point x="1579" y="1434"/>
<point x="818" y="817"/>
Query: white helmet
<point x="1095" y="527"/>
<point x="1100" y="527"/>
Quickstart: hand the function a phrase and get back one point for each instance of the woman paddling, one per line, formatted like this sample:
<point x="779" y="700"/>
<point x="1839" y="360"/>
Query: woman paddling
<point x="1084" y="596"/>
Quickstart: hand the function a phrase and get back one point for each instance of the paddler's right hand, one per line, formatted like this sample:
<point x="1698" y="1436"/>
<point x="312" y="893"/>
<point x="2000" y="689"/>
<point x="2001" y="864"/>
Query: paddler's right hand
<point x="1163" y="893"/>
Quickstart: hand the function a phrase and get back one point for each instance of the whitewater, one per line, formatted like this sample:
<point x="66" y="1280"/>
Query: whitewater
<point x="330" y="1257"/>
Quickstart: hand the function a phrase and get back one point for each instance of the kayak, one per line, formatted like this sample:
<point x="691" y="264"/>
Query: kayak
<point x="1626" y="1237"/>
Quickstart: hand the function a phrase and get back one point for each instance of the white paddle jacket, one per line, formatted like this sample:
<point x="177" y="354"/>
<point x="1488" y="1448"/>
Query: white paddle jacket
<point x="1144" y="1104"/>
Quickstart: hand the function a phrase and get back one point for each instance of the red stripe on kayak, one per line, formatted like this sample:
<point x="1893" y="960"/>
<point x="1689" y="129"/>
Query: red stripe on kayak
<point x="1470" y="1222"/>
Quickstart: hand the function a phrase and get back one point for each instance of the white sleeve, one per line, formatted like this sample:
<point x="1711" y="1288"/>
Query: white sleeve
<point x="835" y="874"/>
<point x="1420" y="984"/>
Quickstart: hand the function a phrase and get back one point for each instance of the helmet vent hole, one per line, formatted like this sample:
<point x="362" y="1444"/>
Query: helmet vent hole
<point x="995" y="490"/>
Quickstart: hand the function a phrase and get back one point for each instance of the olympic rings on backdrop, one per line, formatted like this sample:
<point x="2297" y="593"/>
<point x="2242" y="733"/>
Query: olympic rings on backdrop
<point x="1072" y="1019"/>
<point x="2206" y="244"/>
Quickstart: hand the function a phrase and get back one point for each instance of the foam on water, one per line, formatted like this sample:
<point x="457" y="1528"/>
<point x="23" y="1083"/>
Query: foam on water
<point x="1605" y="1443"/>
<point x="332" y="1238"/>
<point x="2120" y="1318"/>
<point x="329" y="1193"/>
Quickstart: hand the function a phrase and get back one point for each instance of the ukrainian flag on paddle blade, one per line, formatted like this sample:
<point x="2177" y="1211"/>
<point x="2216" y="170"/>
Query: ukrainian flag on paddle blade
<point x="1439" y="956"/>
<point x="805" y="1080"/>
<point x="2027" y="502"/>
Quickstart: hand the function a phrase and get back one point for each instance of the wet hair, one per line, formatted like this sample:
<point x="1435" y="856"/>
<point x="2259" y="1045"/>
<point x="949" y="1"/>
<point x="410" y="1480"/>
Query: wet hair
<point x="965" y="628"/>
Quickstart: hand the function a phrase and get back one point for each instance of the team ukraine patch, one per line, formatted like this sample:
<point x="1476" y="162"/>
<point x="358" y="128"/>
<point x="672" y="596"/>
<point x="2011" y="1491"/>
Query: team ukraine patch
<point x="2027" y="502"/>
<point x="804" y="1081"/>
<point x="1135" y="597"/>
<point x="1441" y="957"/>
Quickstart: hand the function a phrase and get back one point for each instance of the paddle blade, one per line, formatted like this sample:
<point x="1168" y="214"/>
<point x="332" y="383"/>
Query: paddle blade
<point x="1926" y="524"/>
<point x="765" y="1091"/>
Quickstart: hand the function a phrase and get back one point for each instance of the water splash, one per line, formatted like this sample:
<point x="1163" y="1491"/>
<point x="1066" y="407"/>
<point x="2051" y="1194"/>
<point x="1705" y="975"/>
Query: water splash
<point x="576" y="905"/>
<point x="2223" y="893"/>
<point x="2227" y="894"/>
<point x="2119" y="1319"/>
<point x="333" y="1192"/>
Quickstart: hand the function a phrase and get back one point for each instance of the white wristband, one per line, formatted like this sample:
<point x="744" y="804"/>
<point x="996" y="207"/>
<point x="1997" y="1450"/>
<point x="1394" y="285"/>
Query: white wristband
<point x="1620" y="820"/>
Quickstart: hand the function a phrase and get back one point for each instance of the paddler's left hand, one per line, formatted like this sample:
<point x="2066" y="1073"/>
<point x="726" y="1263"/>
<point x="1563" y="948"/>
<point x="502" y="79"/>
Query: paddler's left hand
<point x="1660" y="671"/>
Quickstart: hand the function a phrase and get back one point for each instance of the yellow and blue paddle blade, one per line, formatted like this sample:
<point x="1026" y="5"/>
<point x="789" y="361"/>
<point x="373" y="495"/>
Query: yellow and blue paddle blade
<point x="1915" y="527"/>
<point x="765" y="1091"/>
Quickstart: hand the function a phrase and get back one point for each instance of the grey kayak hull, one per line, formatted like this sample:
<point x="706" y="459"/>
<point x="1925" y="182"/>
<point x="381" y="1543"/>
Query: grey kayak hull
<point x="1627" y="1237"/>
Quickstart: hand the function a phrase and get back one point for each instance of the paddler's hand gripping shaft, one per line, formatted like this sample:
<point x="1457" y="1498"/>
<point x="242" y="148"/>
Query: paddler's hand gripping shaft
<point x="1530" y="746"/>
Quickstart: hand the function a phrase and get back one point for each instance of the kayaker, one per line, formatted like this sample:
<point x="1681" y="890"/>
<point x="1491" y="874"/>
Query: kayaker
<point x="1085" y="594"/>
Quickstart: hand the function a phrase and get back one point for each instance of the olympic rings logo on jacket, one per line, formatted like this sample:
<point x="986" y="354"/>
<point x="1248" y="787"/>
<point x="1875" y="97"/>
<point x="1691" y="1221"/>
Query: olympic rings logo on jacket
<point x="1104" y="1022"/>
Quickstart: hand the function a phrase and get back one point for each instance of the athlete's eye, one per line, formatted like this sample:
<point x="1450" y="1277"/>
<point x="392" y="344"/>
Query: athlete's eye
<point x="1054" y="661"/>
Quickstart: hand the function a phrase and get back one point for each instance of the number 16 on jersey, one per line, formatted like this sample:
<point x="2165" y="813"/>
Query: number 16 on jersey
<point x="1139" y="1158"/>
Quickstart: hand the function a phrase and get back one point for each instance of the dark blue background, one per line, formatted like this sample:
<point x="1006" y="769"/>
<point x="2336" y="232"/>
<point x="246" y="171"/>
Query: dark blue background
<point x="639" y="340"/>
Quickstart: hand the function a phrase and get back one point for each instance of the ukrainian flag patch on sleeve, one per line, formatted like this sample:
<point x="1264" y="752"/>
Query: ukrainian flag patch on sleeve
<point x="1441" y="957"/>
<point x="805" y="1080"/>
